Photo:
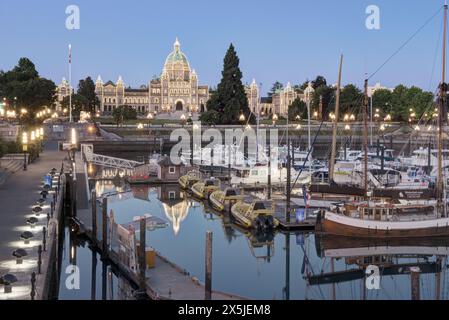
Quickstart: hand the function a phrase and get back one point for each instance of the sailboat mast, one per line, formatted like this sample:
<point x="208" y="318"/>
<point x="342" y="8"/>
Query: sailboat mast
<point x="365" y="139"/>
<point x="335" y="125"/>
<point x="442" y="103"/>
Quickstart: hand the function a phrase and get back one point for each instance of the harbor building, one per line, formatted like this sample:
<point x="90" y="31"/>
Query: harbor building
<point x="279" y="102"/>
<point x="177" y="89"/>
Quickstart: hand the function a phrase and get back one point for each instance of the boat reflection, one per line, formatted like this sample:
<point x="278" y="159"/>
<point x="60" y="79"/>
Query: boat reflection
<point x="392" y="258"/>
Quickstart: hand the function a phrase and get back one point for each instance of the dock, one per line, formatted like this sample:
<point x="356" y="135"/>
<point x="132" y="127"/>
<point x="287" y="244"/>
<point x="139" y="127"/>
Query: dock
<point x="165" y="281"/>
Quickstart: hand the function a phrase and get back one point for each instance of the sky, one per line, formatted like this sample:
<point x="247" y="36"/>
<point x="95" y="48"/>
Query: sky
<point x="277" y="40"/>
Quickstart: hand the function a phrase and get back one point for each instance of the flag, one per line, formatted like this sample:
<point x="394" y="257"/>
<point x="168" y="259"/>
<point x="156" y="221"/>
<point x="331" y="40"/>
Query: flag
<point x="70" y="53"/>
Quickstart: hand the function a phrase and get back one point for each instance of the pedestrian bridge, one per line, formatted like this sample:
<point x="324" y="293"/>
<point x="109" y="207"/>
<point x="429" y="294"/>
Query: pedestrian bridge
<point x="87" y="151"/>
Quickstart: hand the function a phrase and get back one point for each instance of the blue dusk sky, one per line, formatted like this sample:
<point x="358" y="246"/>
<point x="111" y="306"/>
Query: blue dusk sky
<point x="284" y="40"/>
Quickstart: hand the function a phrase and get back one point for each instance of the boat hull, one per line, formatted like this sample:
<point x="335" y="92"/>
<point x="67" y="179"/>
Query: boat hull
<point x="336" y="224"/>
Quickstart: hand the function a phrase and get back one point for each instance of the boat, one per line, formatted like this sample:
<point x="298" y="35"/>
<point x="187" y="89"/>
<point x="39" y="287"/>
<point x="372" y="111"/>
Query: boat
<point x="256" y="215"/>
<point x="220" y="198"/>
<point x="375" y="220"/>
<point x="187" y="180"/>
<point x="258" y="176"/>
<point x="203" y="189"/>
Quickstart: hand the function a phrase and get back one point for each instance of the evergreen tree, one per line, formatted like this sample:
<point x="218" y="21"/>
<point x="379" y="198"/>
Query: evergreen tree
<point x="86" y="88"/>
<point x="230" y="100"/>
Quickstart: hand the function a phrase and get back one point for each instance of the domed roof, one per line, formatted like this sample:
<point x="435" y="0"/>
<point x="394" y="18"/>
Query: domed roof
<point x="176" y="58"/>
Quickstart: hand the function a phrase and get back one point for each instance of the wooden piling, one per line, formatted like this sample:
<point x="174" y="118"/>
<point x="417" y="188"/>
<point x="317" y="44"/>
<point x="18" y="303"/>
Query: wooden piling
<point x="94" y="216"/>
<point x="208" y="277"/>
<point x="414" y="277"/>
<point x="104" y="215"/>
<point x="142" y="258"/>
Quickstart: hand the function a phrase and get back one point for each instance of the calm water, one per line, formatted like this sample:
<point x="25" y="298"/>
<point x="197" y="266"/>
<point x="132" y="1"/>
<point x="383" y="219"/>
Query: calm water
<point x="273" y="266"/>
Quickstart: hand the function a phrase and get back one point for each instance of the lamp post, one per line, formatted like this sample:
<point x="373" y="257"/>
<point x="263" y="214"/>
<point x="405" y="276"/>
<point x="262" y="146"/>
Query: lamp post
<point x="41" y="136"/>
<point x="149" y="117"/>
<point x="25" y="149"/>
<point x="183" y="120"/>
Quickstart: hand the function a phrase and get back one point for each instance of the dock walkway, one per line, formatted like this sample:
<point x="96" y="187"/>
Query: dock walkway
<point x="17" y="196"/>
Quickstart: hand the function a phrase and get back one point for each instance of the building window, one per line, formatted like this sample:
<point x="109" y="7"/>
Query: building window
<point x="172" y="170"/>
<point x="171" y="195"/>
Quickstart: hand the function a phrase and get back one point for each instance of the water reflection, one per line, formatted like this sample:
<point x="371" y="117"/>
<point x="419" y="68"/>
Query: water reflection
<point x="272" y="265"/>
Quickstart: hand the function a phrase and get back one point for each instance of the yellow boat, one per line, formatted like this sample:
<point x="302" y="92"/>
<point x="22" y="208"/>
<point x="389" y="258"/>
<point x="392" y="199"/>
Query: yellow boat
<point x="258" y="214"/>
<point x="219" y="198"/>
<point x="187" y="180"/>
<point x="203" y="189"/>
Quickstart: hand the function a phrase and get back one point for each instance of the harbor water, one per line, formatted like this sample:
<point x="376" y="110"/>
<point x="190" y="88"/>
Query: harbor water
<point x="295" y="265"/>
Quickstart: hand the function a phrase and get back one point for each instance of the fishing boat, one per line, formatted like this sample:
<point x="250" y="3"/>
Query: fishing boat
<point x="187" y="180"/>
<point x="220" y="198"/>
<point x="203" y="189"/>
<point x="257" y="215"/>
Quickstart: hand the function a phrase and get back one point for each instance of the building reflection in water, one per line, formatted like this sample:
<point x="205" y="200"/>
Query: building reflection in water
<point x="174" y="205"/>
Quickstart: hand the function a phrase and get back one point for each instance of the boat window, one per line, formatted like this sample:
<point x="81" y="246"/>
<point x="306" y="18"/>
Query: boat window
<point x="209" y="183"/>
<point x="231" y="193"/>
<point x="259" y="206"/>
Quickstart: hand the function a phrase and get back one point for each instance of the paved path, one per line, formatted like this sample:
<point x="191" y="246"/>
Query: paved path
<point x="17" y="197"/>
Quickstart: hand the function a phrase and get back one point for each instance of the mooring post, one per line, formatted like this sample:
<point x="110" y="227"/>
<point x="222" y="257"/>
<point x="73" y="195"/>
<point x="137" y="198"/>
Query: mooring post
<point x="104" y="218"/>
<point x="94" y="217"/>
<point x="414" y="277"/>
<point x="39" y="259"/>
<point x="33" y="285"/>
<point x="208" y="277"/>
<point x="74" y="197"/>
<point x="44" y="239"/>
<point x="269" y="171"/>
<point x="142" y="249"/>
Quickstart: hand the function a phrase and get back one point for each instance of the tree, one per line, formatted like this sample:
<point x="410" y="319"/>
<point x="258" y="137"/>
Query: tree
<point x="383" y="100"/>
<point x="124" y="113"/>
<point x="230" y="99"/>
<point x="325" y="95"/>
<point x="210" y="117"/>
<point x="276" y="86"/>
<point x="319" y="81"/>
<point x="79" y="103"/>
<point x="350" y="99"/>
<point x="86" y="88"/>
<point x="31" y="90"/>
<point x="297" y="108"/>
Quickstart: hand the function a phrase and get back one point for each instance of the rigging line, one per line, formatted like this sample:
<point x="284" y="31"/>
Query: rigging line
<point x="436" y="56"/>
<point x="406" y="42"/>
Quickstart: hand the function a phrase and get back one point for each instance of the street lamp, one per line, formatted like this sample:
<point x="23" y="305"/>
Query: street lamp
<point x="183" y="120"/>
<point x="275" y="119"/>
<point x="25" y="149"/>
<point x="149" y="117"/>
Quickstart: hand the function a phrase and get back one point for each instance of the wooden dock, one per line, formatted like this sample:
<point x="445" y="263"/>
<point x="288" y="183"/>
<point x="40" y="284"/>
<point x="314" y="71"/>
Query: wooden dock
<point x="167" y="281"/>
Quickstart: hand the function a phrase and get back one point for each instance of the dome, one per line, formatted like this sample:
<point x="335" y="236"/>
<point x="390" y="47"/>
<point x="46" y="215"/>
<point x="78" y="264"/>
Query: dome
<point x="176" y="60"/>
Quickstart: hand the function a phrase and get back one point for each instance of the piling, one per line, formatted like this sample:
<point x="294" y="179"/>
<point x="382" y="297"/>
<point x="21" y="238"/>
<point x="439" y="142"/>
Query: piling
<point x="142" y="248"/>
<point x="94" y="217"/>
<point x="104" y="218"/>
<point x="414" y="276"/>
<point x="269" y="171"/>
<point x="208" y="277"/>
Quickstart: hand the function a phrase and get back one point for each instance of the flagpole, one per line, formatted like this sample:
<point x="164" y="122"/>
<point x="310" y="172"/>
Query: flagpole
<point x="70" y="83"/>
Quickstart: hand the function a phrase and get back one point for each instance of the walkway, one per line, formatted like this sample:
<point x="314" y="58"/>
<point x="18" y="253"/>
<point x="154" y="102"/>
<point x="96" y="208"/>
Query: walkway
<point x="17" y="197"/>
